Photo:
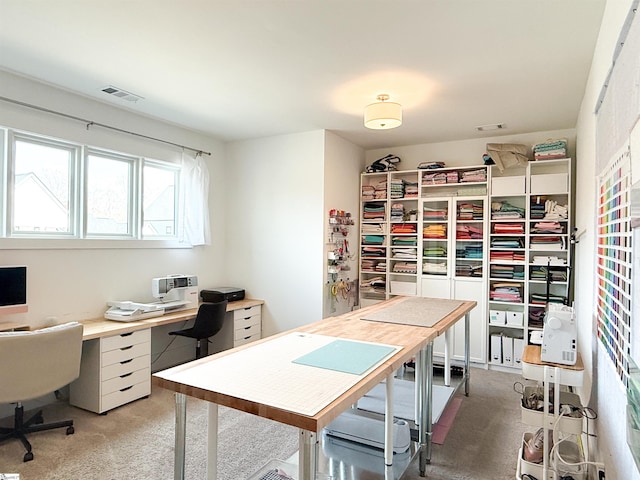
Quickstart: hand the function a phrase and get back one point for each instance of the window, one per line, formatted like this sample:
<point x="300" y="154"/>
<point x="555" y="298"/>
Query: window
<point x="42" y="184"/>
<point x="110" y="193"/>
<point x="159" y="200"/>
<point x="55" y="190"/>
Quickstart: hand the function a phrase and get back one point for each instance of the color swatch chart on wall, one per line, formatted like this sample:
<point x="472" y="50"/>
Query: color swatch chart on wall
<point x="614" y="259"/>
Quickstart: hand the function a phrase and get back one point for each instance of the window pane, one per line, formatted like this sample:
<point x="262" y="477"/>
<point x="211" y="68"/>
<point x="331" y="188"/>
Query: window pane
<point x="42" y="195"/>
<point x="159" y="202"/>
<point x="109" y="183"/>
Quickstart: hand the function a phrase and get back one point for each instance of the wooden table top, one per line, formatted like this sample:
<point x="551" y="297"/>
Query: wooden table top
<point x="349" y="326"/>
<point x="531" y="355"/>
<point x="9" y="326"/>
<point x="101" y="327"/>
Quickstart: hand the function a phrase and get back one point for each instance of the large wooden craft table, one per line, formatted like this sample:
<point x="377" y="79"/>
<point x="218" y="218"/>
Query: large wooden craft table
<point x="198" y="379"/>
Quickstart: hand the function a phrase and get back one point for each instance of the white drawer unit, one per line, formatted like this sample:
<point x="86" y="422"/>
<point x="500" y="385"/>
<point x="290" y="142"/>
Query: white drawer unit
<point x="247" y="325"/>
<point x="115" y="370"/>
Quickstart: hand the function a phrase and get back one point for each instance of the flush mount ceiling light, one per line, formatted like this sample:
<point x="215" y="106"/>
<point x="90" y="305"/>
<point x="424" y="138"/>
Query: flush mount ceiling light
<point x="383" y="115"/>
<point x="493" y="126"/>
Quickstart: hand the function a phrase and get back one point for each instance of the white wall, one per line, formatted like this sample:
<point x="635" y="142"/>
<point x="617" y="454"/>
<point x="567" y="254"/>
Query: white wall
<point x="344" y="162"/>
<point x="610" y="397"/>
<point x="75" y="283"/>
<point x="275" y="218"/>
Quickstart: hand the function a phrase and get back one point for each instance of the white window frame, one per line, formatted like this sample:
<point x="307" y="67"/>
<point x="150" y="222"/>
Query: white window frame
<point x="175" y="169"/>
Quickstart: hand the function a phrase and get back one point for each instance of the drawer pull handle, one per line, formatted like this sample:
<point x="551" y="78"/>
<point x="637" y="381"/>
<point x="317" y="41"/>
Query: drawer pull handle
<point x="247" y="308"/>
<point x="126" y="361"/>
<point x="126" y="375"/>
<point x="126" y="334"/>
<point x="247" y="318"/>
<point x="247" y="328"/>
<point x="247" y="338"/>
<point x="126" y="348"/>
<point x="126" y="388"/>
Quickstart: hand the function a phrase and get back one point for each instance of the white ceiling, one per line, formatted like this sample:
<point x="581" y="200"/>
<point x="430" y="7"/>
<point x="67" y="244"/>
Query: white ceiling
<point x="240" y="69"/>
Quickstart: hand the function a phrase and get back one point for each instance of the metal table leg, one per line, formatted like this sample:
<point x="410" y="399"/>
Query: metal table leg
<point x="467" y="341"/>
<point x="388" y="422"/>
<point x="425" y="427"/>
<point x="307" y="455"/>
<point x="180" y="435"/>
<point x="212" y="442"/>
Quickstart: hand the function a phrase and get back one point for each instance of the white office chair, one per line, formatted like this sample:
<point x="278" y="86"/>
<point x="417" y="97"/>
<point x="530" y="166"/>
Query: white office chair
<point x="33" y="364"/>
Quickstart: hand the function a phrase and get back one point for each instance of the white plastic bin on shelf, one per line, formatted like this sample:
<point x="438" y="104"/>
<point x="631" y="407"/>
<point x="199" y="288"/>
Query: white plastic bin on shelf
<point x="566" y="424"/>
<point x="514" y="319"/>
<point x="502" y="186"/>
<point x="497" y="317"/>
<point x="549" y="183"/>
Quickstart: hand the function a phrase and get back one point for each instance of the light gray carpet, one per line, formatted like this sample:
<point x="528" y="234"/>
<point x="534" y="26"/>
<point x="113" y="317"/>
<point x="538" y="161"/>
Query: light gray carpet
<point x="136" y="441"/>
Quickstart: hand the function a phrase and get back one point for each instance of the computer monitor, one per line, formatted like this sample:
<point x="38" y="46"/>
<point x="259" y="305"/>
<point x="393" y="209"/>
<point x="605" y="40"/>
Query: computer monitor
<point x="13" y="289"/>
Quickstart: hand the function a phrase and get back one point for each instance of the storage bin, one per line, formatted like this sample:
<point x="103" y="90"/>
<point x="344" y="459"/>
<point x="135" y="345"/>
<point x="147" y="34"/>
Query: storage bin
<point x="497" y="317"/>
<point x="568" y="450"/>
<point x="514" y="185"/>
<point x="566" y="424"/>
<point x="402" y="288"/>
<point x="549" y="183"/>
<point x="514" y="319"/>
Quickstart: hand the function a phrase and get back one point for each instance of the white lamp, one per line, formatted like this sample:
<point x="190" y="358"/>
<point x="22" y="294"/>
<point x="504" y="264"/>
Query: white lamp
<point x="383" y="115"/>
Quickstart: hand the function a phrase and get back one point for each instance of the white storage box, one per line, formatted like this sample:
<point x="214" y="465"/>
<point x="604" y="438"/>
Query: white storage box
<point x="402" y="288"/>
<point x="568" y="450"/>
<point x="497" y="317"/>
<point x="514" y="185"/>
<point x="514" y="319"/>
<point x="549" y="183"/>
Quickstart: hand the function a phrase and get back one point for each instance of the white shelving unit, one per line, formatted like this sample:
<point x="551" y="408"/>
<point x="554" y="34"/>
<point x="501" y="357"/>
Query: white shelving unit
<point x="529" y="253"/>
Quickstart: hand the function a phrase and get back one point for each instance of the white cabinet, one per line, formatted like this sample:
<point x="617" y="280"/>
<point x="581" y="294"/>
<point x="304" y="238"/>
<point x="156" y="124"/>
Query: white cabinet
<point x="247" y="325"/>
<point x="114" y="370"/>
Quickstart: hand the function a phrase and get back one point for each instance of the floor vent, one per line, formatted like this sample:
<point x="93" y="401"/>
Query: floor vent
<point x="120" y="93"/>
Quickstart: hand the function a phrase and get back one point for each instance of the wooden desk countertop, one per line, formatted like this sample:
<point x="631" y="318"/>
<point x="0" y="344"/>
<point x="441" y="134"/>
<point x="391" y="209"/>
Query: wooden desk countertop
<point x="101" y="327"/>
<point x="349" y="326"/>
<point x="10" y="326"/>
<point x="531" y="355"/>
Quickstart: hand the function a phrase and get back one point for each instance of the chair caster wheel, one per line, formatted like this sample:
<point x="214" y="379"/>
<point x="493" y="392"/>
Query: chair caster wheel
<point x="70" y="430"/>
<point x="28" y="457"/>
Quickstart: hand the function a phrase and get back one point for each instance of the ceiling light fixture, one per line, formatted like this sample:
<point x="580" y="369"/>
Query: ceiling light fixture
<point x="383" y="115"/>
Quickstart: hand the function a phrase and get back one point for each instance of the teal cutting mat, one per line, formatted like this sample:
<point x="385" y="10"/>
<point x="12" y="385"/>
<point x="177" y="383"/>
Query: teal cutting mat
<point x="346" y="356"/>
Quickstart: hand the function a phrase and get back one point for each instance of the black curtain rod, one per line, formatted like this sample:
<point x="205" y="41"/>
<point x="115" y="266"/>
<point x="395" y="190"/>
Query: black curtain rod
<point x="90" y="123"/>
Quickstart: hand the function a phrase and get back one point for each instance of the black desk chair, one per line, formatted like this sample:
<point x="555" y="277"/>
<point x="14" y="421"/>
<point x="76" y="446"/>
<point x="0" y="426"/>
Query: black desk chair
<point x="209" y="321"/>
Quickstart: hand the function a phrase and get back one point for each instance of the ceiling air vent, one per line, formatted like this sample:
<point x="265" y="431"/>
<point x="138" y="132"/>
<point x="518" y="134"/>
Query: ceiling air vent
<point x="120" y="93"/>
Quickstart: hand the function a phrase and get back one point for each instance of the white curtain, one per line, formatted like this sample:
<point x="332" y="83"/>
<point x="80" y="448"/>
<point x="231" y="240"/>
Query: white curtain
<point x="194" y="200"/>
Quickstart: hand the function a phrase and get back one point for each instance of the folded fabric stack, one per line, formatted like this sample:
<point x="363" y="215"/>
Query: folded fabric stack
<point x="405" y="253"/>
<point x="550" y="149"/>
<point x="404" y="228"/>
<point x="408" y="241"/>
<point x="405" y="267"/>
<point x="368" y="192"/>
<point x="554" y="274"/>
<point x="507" y="242"/>
<point x="410" y="189"/>
<point x="505" y="211"/>
<point x="474" y="176"/>
<point x="536" y="317"/>
<point x="506" y="272"/>
<point x="506" y="256"/>
<point x="506" y="292"/>
<point x="468" y="232"/>
<point x="372" y="228"/>
<point x="434" y="251"/>
<point x="434" y="214"/>
<point x="547" y="242"/>
<point x="430" y="165"/>
<point x="544" y="260"/>
<point x="469" y="211"/>
<point x="373" y="252"/>
<point x="509" y="228"/>
<point x="397" y="212"/>
<point x="381" y="267"/>
<point x="380" y="189"/>
<point x="373" y="211"/>
<point x="397" y="188"/>
<point x="434" y="231"/>
<point x="368" y="265"/>
<point x="375" y="285"/>
<point x="470" y="251"/>
<point x="452" y="177"/>
<point x="468" y="270"/>
<point x="372" y="240"/>
<point x="554" y="211"/>
<point x="434" y="268"/>
<point x="439" y="178"/>
<point x="547" y="227"/>
<point x="541" y="299"/>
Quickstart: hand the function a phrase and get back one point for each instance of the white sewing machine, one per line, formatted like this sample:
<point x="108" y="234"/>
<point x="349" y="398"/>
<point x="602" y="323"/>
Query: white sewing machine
<point x="559" y="336"/>
<point x="175" y="291"/>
